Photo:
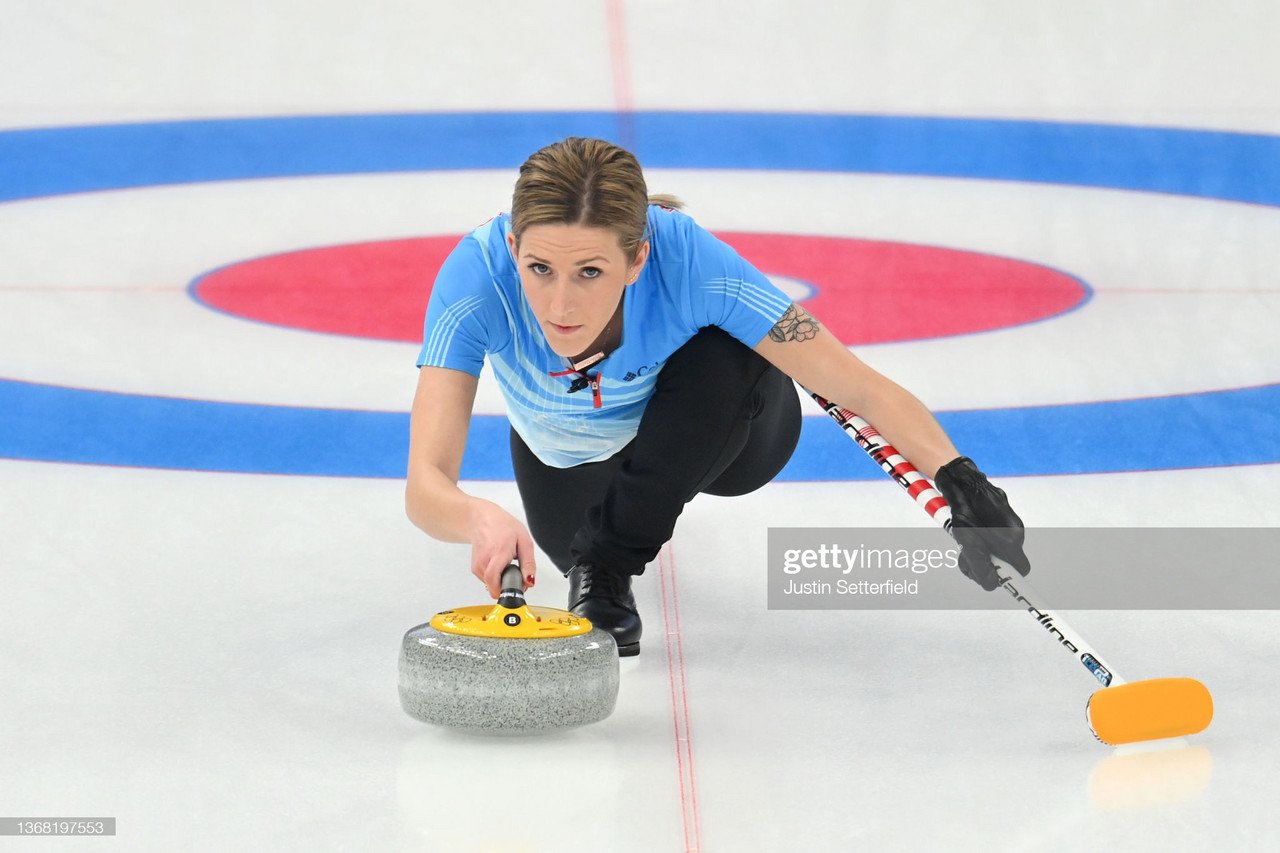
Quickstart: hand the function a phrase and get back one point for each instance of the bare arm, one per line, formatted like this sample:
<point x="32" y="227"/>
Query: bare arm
<point x="799" y="347"/>
<point x="434" y="503"/>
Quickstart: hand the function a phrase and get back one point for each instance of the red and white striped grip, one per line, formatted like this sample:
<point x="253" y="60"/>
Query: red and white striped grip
<point x="894" y="463"/>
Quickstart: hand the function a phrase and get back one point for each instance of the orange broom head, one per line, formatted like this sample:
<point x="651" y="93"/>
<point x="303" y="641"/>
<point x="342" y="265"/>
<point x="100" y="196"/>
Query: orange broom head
<point x="1149" y="710"/>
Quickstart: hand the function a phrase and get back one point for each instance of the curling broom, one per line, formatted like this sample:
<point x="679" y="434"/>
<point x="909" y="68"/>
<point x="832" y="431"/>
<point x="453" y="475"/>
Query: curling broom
<point x="1122" y="711"/>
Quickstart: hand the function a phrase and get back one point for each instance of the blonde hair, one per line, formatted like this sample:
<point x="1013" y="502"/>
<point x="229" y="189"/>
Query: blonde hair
<point x="589" y="182"/>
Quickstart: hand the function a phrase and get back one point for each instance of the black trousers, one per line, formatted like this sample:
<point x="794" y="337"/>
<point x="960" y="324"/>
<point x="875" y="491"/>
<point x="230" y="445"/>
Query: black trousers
<point x="722" y="420"/>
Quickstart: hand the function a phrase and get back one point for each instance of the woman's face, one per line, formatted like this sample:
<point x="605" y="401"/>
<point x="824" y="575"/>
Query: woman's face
<point x="573" y="277"/>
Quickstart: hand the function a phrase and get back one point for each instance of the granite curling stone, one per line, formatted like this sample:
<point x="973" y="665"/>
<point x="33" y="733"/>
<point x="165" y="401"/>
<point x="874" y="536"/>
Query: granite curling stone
<point x="508" y="669"/>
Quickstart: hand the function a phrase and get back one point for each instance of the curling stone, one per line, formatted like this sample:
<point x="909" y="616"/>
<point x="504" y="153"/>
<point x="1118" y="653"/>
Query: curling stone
<point x="508" y="668"/>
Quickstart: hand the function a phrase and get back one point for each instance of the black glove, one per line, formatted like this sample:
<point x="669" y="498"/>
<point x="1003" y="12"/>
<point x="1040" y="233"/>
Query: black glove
<point x="981" y="521"/>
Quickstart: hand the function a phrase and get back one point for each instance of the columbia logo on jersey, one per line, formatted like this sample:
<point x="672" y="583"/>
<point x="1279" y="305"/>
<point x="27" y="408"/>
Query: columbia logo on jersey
<point x="640" y="372"/>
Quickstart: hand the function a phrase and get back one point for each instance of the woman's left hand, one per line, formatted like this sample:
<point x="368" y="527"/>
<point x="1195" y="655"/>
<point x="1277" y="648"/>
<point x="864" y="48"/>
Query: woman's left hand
<point x="982" y="522"/>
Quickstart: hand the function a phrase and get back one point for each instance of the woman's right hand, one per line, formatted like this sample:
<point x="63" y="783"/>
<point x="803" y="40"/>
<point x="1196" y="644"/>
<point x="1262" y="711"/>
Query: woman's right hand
<point x="433" y="501"/>
<point x="497" y="537"/>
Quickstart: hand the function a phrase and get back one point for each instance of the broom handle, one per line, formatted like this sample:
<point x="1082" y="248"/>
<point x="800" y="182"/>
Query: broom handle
<point x="928" y="498"/>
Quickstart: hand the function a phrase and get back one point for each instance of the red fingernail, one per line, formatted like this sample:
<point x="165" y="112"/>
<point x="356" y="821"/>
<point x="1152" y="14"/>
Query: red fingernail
<point x="528" y="579"/>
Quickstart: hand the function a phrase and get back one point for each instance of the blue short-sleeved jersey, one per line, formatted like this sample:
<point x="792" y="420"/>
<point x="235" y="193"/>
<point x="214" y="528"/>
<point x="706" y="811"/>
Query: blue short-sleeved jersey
<point x="691" y="280"/>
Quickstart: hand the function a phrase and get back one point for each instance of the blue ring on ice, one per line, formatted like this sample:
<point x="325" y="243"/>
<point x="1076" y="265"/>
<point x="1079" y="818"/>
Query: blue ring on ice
<point x="43" y="422"/>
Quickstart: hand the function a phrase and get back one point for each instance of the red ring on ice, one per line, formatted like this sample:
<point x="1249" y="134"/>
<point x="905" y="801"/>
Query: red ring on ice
<point x="865" y="291"/>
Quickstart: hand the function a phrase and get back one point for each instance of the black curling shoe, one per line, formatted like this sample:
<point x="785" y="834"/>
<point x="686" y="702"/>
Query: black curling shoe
<point x="605" y="598"/>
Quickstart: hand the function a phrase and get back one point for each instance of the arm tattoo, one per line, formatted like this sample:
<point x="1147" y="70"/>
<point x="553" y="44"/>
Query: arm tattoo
<point x="795" y="325"/>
